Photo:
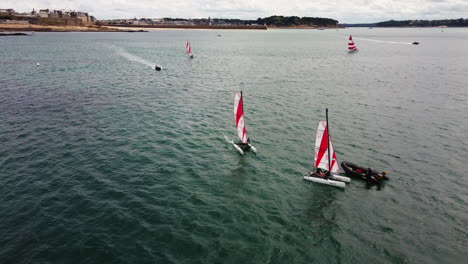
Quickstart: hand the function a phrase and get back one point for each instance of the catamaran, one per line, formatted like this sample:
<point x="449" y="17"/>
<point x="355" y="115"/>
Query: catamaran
<point x="325" y="172"/>
<point x="351" y="45"/>
<point x="244" y="144"/>
<point x="189" y="49"/>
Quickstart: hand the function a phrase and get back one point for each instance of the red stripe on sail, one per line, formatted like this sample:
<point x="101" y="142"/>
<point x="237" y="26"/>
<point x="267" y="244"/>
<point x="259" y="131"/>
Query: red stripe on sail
<point x="240" y="112"/>
<point x="323" y="147"/>
<point x="333" y="160"/>
<point x="351" y="45"/>
<point x="187" y="46"/>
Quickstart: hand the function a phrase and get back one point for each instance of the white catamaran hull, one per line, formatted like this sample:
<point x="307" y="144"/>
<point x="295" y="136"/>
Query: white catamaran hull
<point x="340" y="178"/>
<point x="234" y="145"/>
<point x="325" y="181"/>
<point x="253" y="148"/>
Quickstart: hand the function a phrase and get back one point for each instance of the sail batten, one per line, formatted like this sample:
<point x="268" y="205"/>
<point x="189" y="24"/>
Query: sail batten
<point x="322" y="149"/>
<point x="351" y="45"/>
<point x="239" y="117"/>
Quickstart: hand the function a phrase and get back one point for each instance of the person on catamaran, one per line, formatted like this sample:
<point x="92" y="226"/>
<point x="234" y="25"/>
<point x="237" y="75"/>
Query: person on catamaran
<point x="320" y="173"/>
<point x="381" y="176"/>
<point x="370" y="177"/>
<point x="244" y="146"/>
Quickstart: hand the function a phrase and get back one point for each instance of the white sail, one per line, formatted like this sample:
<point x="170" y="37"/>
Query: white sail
<point x="239" y="117"/>
<point x="321" y="149"/>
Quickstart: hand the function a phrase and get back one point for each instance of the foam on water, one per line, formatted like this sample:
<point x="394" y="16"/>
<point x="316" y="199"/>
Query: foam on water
<point x="133" y="58"/>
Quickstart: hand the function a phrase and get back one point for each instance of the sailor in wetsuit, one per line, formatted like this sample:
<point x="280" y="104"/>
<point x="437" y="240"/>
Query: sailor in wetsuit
<point x="370" y="177"/>
<point x="320" y="173"/>
<point x="368" y="174"/>
<point x="244" y="146"/>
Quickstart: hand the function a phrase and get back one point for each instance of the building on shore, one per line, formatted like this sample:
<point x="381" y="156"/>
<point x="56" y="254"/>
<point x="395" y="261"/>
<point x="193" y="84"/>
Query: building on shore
<point x="48" y="17"/>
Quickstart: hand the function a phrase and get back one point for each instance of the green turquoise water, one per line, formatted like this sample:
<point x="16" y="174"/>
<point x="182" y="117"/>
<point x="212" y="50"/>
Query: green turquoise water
<point x="104" y="160"/>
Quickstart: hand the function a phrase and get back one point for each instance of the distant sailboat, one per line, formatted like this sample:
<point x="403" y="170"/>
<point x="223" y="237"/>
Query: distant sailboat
<point x="351" y="45"/>
<point x="325" y="161"/>
<point x="189" y="49"/>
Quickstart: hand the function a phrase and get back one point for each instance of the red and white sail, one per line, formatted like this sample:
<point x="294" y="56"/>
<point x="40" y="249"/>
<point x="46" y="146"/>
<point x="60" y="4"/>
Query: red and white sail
<point x="322" y="148"/>
<point x="351" y="45"/>
<point x="189" y="49"/>
<point x="239" y="117"/>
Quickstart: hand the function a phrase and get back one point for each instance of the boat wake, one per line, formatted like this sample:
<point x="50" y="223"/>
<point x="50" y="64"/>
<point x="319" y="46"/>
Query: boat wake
<point x="227" y="139"/>
<point x="385" y="41"/>
<point x="134" y="58"/>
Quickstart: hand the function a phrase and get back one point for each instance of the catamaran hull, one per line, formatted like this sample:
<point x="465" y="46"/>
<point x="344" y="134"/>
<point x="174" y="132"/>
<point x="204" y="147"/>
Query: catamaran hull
<point x="340" y="178"/>
<point x="325" y="181"/>
<point x="253" y="148"/>
<point x="234" y="145"/>
<point x="238" y="148"/>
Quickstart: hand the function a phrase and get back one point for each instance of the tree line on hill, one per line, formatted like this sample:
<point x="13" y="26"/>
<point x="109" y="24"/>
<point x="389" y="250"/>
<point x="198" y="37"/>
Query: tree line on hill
<point x="278" y="21"/>
<point x="282" y="21"/>
<point x="425" y="23"/>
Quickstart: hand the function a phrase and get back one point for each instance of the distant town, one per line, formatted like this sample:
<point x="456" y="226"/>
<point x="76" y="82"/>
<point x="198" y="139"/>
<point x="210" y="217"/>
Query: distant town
<point x="77" y="18"/>
<point x="65" y="18"/>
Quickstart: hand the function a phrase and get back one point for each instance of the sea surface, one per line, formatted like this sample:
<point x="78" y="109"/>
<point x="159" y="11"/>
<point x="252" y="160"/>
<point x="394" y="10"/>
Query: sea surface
<point x="105" y="160"/>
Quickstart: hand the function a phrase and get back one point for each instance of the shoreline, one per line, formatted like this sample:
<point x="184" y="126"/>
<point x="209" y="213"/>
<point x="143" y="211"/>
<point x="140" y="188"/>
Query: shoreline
<point x="47" y="28"/>
<point x="304" y="27"/>
<point x="244" y="27"/>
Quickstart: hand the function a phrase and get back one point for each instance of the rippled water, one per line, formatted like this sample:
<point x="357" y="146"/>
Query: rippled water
<point x="104" y="160"/>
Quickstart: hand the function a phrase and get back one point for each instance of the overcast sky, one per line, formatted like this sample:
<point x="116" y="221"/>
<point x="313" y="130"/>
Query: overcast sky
<point x="345" y="11"/>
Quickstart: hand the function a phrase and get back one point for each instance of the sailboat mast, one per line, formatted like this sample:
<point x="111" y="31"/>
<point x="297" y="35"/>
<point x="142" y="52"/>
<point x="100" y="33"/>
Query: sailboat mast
<point x="242" y="100"/>
<point x="328" y="140"/>
<point x="243" y="111"/>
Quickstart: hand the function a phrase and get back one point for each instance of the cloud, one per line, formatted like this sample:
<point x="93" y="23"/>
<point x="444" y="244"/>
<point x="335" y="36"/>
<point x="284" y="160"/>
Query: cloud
<point x="345" y="11"/>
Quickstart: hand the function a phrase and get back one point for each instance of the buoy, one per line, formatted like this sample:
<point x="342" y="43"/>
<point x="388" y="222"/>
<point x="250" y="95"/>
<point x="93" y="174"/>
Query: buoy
<point x="38" y="64"/>
<point x="158" y="67"/>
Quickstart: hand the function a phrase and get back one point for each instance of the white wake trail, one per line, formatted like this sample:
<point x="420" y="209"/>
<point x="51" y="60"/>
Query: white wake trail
<point x="134" y="58"/>
<point x="384" y="41"/>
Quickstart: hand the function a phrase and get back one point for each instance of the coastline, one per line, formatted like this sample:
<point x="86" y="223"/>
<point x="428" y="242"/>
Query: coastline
<point x="47" y="28"/>
<point x="303" y="27"/>
<point x="143" y="28"/>
<point x="163" y="27"/>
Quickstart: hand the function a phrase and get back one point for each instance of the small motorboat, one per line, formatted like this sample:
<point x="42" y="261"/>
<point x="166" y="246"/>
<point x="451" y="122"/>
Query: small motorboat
<point x="358" y="172"/>
<point x="415" y="43"/>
